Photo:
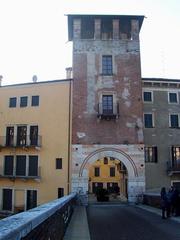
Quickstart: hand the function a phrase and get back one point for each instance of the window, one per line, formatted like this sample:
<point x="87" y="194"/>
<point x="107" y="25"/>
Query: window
<point x="173" y="97"/>
<point x="107" y="104"/>
<point x="9" y="136"/>
<point x="107" y="65"/>
<point x="35" y="101"/>
<point x="174" y="120"/>
<point x="148" y="120"/>
<point x="8" y="165"/>
<point x="58" y="163"/>
<point x="151" y="154"/>
<point x="12" y="102"/>
<point x="60" y="192"/>
<point x="31" y="199"/>
<point x="23" y="101"/>
<point x="96" y="171"/>
<point x="105" y="160"/>
<point x="21" y="165"/>
<point x="33" y="166"/>
<point x="175" y="152"/>
<point x="21" y="135"/>
<point x="34" y="135"/>
<point x="7" y="199"/>
<point x="112" y="171"/>
<point x="147" y="96"/>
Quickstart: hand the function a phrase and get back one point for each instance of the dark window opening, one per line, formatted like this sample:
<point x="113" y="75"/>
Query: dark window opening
<point x="151" y="154"/>
<point x="58" y="163"/>
<point x="107" y="68"/>
<point x="23" y="101"/>
<point x="60" y="192"/>
<point x="174" y="120"/>
<point x="7" y="199"/>
<point x="105" y="160"/>
<point x="33" y="166"/>
<point x="147" y="96"/>
<point x="112" y="171"/>
<point x="9" y="136"/>
<point x="12" y="102"/>
<point x="31" y="199"/>
<point x="106" y="29"/>
<point x="107" y="104"/>
<point x="148" y="120"/>
<point x="21" y="135"/>
<point x="175" y="151"/>
<point x="21" y="165"/>
<point x="35" y="101"/>
<point x="34" y="135"/>
<point x="8" y="165"/>
<point x="96" y="171"/>
<point x="87" y="28"/>
<point x="173" y="98"/>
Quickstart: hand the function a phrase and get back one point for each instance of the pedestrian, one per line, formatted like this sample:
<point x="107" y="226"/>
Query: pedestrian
<point x="164" y="203"/>
<point x="175" y="200"/>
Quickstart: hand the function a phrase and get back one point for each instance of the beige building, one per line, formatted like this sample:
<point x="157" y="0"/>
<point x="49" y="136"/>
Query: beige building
<point x="34" y="143"/>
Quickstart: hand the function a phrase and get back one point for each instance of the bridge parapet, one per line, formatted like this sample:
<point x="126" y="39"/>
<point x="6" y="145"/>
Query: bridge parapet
<point x="48" y="221"/>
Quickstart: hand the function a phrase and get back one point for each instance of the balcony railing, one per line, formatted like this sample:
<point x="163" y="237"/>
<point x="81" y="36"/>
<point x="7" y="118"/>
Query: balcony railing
<point x="108" y="113"/>
<point x="173" y="167"/>
<point x="28" y="141"/>
<point x="14" y="175"/>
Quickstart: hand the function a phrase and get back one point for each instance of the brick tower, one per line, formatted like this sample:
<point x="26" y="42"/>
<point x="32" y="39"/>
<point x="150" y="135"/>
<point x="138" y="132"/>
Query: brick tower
<point x="107" y="97"/>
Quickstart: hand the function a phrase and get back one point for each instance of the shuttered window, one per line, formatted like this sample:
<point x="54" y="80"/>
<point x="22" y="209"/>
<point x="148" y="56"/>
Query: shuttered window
<point x="21" y="165"/>
<point x="33" y="166"/>
<point x="8" y="165"/>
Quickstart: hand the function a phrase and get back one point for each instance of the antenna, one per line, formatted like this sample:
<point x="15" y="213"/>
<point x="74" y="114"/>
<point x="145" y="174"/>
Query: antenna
<point x="34" y="78"/>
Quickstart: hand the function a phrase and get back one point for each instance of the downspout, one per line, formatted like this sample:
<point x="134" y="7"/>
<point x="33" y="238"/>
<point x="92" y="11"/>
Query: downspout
<point x="69" y="139"/>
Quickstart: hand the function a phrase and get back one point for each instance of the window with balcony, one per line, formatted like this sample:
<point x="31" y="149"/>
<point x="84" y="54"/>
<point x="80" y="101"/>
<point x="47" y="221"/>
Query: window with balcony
<point x="107" y="67"/>
<point x="96" y="171"/>
<point x="151" y="154"/>
<point x="31" y="199"/>
<point x="174" y="120"/>
<point x="148" y="120"/>
<point x="9" y="136"/>
<point x="175" y="155"/>
<point x="147" y="96"/>
<point x="112" y="171"/>
<point x="21" y="135"/>
<point x="35" y="101"/>
<point x="21" y="165"/>
<point x="34" y="135"/>
<point x="12" y="102"/>
<point x="23" y="101"/>
<point x="173" y="97"/>
<point x="33" y="166"/>
<point x="107" y="104"/>
<point x="8" y="165"/>
<point x="108" y="107"/>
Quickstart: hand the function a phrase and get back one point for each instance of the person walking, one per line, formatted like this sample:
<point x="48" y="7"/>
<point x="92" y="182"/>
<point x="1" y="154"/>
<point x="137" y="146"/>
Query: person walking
<point x="164" y="204"/>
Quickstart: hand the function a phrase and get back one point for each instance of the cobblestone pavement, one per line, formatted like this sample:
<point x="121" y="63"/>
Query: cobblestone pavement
<point x="126" y="222"/>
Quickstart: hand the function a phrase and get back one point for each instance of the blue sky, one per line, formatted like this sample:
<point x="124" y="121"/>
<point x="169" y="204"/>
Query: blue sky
<point x="34" y="36"/>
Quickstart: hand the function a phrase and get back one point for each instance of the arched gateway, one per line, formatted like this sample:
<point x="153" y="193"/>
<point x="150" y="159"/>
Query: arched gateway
<point x="131" y="156"/>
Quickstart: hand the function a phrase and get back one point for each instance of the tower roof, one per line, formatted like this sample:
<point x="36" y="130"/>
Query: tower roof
<point x="71" y="17"/>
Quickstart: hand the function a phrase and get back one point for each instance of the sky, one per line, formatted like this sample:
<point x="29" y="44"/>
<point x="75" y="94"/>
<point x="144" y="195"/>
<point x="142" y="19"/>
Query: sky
<point x="34" y="40"/>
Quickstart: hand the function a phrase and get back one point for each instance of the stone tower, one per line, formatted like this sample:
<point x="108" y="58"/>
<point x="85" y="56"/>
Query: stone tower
<point x="107" y="96"/>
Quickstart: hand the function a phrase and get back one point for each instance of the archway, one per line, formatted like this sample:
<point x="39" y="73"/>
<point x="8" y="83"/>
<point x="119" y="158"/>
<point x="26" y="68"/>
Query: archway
<point x="134" y="163"/>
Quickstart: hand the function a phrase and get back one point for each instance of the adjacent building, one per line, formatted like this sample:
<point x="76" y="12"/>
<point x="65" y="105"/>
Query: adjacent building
<point x="34" y="143"/>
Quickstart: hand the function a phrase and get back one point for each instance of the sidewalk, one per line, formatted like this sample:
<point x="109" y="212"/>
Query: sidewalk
<point x="156" y="211"/>
<point x="78" y="228"/>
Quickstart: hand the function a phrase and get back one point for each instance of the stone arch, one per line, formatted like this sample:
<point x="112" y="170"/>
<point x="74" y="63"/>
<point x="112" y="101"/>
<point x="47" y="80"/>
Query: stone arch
<point x="111" y="152"/>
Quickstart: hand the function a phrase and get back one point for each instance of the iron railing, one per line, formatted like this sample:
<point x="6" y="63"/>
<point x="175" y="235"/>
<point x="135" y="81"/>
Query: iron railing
<point x="26" y="141"/>
<point x="173" y="167"/>
<point x="111" y="112"/>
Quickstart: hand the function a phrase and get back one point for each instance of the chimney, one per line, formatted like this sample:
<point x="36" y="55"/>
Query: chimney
<point x="69" y="72"/>
<point x="34" y="78"/>
<point x="1" y="77"/>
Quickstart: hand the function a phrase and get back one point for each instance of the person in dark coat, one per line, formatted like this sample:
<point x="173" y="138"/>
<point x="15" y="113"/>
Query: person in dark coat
<point x="174" y="201"/>
<point x="164" y="204"/>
